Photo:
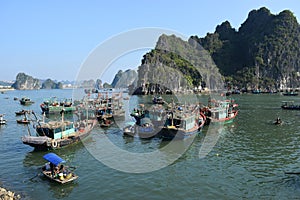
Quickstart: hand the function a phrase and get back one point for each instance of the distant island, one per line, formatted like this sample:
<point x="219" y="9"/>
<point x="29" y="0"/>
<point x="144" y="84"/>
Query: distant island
<point x="26" y="82"/>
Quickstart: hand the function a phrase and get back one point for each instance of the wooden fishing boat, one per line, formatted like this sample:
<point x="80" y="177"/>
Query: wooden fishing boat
<point x="2" y="120"/>
<point x="23" y="121"/>
<point x="129" y="129"/>
<point x="182" y="124"/>
<point x="57" y="134"/>
<point x="54" y="106"/>
<point x="278" y="121"/>
<point x="25" y="101"/>
<point x="290" y="93"/>
<point x="22" y="112"/>
<point x="158" y="100"/>
<point x="104" y="113"/>
<point x="144" y="130"/>
<point x="221" y="111"/>
<point x="289" y="105"/>
<point x="106" y="123"/>
<point x="56" y="171"/>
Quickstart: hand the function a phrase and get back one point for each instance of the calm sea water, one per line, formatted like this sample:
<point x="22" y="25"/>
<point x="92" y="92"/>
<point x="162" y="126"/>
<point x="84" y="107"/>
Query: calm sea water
<point x="248" y="160"/>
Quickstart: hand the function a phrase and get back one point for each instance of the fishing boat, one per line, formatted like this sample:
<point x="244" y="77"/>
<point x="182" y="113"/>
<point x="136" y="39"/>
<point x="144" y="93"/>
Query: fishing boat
<point x="289" y="105"/>
<point x="290" y="93"/>
<point x="278" y="121"/>
<point x="2" y="120"/>
<point x="22" y="112"/>
<point x="53" y="106"/>
<point x="158" y="100"/>
<point x="256" y="91"/>
<point x="145" y="130"/>
<point x="129" y="129"/>
<point x="57" y="134"/>
<point x="104" y="113"/>
<point x="106" y="123"/>
<point x="25" y="101"/>
<point x="139" y="113"/>
<point x="56" y="171"/>
<point x="181" y="124"/>
<point x="221" y="111"/>
<point x="23" y="121"/>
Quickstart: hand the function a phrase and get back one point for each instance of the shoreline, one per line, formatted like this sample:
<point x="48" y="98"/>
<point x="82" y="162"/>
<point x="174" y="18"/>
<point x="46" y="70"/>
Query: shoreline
<point x="6" y="89"/>
<point x="8" y="195"/>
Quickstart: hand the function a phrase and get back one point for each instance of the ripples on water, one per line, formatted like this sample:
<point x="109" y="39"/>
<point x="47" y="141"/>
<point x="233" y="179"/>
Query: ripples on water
<point x="248" y="160"/>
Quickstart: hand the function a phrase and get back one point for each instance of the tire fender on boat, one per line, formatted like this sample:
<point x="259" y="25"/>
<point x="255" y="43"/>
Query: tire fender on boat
<point x="54" y="144"/>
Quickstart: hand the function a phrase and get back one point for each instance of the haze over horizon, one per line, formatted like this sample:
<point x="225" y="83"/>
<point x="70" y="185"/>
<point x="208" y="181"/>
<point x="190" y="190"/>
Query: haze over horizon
<point x="52" y="39"/>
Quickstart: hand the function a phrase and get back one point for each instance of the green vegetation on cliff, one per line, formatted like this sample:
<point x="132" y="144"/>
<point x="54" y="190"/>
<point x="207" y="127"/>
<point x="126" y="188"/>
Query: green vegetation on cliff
<point x="177" y="65"/>
<point x="264" y="52"/>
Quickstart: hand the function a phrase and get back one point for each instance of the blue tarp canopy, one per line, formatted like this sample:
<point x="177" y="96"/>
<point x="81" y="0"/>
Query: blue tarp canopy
<point x="53" y="158"/>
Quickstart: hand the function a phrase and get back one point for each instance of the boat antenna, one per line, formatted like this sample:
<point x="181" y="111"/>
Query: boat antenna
<point x="27" y="124"/>
<point x="38" y="121"/>
<point x="36" y="118"/>
<point x="44" y="114"/>
<point x="62" y="115"/>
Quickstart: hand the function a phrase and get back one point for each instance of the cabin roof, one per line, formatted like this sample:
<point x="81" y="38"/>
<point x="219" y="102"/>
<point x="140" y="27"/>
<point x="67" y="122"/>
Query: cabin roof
<point x="56" y="124"/>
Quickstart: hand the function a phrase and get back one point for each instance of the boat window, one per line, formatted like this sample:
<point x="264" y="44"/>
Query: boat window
<point x="57" y="130"/>
<point x="69" y="126"/>
<point x="45" y="132"/>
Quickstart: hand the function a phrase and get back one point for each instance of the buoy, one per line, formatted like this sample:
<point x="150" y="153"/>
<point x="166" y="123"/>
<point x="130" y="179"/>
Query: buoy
<point x="54" y="143"/>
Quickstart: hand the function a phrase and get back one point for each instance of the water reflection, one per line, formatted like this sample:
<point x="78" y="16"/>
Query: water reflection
<point x="60" y="191"/>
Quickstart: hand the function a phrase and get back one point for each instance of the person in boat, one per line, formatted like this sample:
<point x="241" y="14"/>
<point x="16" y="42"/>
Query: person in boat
<point x="106" y="121"/>
<point x="51" y="165"/>
<point x="63" y="170"/>
<point x="278" y="121"/>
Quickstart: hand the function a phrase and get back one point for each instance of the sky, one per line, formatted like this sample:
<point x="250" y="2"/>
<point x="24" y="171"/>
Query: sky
<point x="54" y="39"/>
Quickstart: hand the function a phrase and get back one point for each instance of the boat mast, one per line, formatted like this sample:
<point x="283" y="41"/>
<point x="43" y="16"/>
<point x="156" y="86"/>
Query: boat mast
<point x="29" y="133"/>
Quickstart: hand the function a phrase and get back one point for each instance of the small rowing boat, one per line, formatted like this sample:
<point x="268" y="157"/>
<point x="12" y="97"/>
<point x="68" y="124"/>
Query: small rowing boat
<point x="56" y="171"/>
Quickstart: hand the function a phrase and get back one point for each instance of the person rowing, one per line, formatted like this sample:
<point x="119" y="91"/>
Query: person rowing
<point x="278" y="121"/>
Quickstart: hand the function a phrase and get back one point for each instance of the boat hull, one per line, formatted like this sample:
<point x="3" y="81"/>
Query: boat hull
<point x="226" y="120"/>
<point x="141" y="132"/>
<point x="56" y="109"/>
<point x="45" y="143"/>
<point x="291" y="107"/>
<point x="69" y="178"/>
<point x="177" y="133"/>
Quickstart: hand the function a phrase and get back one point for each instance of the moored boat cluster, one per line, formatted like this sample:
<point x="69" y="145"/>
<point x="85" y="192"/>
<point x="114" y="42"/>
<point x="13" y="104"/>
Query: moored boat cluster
<point x="178" y="121"/>
<point x="165" y="120"/>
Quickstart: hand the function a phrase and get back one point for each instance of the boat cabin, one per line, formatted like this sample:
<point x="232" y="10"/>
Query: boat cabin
<point x="287" y="103"/>
<point x="185" y="123"/>
<point x="219" y="113"/>
<point x="56" y="130"/>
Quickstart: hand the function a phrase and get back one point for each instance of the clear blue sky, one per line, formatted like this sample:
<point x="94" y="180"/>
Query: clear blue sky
<point x="51" y="39"/>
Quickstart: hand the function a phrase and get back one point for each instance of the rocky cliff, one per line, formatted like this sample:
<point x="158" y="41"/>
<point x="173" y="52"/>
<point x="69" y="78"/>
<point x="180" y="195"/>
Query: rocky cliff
<point x="263" y="52"/>
<point x="124" y="79"/>
<point x="26" y="82"/>
<point x="50" y="84"/>
<point x="176" y="65"/>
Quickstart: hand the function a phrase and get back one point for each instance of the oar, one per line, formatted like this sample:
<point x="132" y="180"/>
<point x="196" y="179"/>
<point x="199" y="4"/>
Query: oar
<point x="31" y="179"/>
<point x="292" y="172"/>
<point x="72" y="167"/>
